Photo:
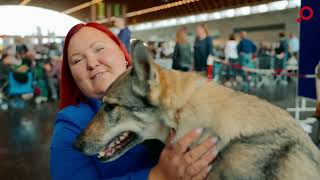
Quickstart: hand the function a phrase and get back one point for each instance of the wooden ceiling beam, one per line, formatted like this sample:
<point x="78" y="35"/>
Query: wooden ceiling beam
<point x="196" y="7"/>
<point x="202" y="6"/>
<point x="208" y="4"/>
<point x="184" y="9"/>
<point x="24" y="2"/>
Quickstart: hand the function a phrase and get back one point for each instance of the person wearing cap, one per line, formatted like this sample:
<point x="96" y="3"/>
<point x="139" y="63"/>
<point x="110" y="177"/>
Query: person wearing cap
<point x="92" y="59"/>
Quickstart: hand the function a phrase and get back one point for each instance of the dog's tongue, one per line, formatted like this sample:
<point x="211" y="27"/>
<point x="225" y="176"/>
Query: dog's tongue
<point x="109" y="151"/>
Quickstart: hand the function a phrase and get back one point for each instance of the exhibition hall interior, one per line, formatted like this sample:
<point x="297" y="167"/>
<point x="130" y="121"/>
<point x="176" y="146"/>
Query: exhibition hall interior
<point x="262" y="48"/>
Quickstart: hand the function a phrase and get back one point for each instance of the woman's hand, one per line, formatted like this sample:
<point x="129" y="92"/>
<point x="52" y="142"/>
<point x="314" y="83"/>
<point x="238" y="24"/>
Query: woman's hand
<point x="177" y="162"/>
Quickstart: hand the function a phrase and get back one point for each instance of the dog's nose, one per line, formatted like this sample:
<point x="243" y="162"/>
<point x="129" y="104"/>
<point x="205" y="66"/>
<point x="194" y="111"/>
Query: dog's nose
<point x="80" y="145"/>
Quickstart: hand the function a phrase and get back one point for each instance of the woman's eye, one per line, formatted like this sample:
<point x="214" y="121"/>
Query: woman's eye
<point x="99" y="49"/>
<point x="76" y="61"/>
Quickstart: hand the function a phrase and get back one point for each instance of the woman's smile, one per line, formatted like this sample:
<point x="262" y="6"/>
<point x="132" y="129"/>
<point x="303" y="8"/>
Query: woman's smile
<point x="97" y="74"/>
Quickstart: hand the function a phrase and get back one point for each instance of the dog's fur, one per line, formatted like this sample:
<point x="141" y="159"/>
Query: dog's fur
<point x="256" y="139"/>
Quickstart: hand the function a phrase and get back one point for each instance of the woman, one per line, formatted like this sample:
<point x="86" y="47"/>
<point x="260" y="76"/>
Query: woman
<point x="203" y="47"/>
<point x="231" y="56"/>
<point x="92" y="59"/>
<point x="182" y="52"/>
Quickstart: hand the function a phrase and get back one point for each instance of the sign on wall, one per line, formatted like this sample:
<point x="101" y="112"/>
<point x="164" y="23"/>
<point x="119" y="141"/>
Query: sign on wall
<point x="309" y="45"/>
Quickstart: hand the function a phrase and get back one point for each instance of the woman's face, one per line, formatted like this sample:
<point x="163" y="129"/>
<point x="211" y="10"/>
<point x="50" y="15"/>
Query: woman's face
<point x="200" y="31"/>
<point x="95" y="61"/>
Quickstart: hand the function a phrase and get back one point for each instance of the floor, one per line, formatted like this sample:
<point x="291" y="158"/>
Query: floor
<point x="25" y="134"/>
<point x="24" y="142"/>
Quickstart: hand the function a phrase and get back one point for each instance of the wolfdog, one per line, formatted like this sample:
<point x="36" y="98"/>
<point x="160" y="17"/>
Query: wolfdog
<point x="257" y="140"/>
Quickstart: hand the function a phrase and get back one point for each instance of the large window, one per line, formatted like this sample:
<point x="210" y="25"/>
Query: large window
<point x="27" y="20"/>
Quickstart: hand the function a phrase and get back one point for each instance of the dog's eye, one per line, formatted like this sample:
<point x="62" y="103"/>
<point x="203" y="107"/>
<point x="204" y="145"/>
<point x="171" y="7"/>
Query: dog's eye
<point x="109" y="107"/>
<point x="135" y="108"/>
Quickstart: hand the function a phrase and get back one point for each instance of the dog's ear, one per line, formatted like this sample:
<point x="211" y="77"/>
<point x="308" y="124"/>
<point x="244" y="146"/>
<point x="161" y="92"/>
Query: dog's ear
<point x="144" y="70"/>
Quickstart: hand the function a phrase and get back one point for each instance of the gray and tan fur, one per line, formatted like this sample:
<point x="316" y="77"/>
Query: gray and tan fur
<point x="257" y="140"/>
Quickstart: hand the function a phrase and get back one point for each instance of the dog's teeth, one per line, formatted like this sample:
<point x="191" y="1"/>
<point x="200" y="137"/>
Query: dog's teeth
<point x="117" y="142"/>
<point x="122" y="138"/>
<point x="112" y="145"/>
<point x="126" y="133"/>
<point x="102" y="153"/>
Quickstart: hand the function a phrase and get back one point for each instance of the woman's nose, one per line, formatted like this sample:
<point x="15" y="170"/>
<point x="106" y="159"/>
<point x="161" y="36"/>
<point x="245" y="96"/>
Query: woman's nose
<point x="92" y="62"/>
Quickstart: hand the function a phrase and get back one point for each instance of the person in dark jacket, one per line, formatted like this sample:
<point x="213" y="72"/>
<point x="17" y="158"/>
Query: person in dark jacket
<point x="282" y="56"/>
<point x="203" y="47"/>
<point x="125" y="34"/>
<point x="246" y="48"/>
<point x="92" y="59"/>
<point x="182" y="52"/>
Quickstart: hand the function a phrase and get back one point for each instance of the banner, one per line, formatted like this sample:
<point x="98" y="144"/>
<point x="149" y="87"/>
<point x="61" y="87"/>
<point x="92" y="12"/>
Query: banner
<point x="117" y="10"/>
<point x="309" y="19"/>
<point x="101" y="10"/>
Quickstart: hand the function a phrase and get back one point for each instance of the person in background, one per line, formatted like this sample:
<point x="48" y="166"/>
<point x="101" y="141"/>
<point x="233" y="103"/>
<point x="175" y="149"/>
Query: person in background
<point x="203" y="48"/>
<point x="125" y="33"/>
<point x="162" y="51"/>
<point x="231" y="56"/>
<point x="41" y="81"/>
<point x="294" y="45"/>
<point x="21" y="48"/>
<point x="152" y="49"/>
<point x="53" y="67"/>
<point x="246" y="48"/>
<point x="9" y="56"/>
<point x="282" y="56"/>
<point x="53" y="70"/>
<point x="93" y="58"/>
<point x="181" y="59"/>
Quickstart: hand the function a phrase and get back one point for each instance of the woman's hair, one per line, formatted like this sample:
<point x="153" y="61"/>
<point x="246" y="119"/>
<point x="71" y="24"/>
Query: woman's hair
<point x="232" y="37"/>
<point x="70" y="94"/>
<point x="181" y="37"/>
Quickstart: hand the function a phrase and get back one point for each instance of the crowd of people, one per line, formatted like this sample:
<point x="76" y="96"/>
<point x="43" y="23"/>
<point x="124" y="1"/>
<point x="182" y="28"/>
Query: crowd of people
<point x="30" y="72"/>
<point x="234" y="55"/>
<point x="34" y="72"/>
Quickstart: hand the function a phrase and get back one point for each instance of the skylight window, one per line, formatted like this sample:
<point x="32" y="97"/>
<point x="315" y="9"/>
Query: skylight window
<point x="278" y="5"/>
<point x="24" y="20"/>
<point x="242" y="11"/>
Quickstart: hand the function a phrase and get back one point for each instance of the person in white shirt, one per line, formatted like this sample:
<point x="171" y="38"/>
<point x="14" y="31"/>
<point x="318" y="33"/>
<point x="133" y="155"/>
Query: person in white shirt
<point x="231" y="56"/>
<point x="294" y="45"/>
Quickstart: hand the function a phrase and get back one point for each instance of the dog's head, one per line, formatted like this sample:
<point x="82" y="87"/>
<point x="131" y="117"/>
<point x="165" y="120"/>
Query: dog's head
<point x="128" y="114"/>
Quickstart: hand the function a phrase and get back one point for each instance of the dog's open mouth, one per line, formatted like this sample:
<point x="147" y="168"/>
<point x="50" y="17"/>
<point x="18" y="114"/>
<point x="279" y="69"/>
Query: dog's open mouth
<point x="116" y="146"/>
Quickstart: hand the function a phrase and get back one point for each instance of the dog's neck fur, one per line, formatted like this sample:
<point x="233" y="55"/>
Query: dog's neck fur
<point x="188" y="84"/>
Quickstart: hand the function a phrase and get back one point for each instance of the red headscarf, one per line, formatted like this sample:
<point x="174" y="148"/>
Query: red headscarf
<point x="70" y="93"/>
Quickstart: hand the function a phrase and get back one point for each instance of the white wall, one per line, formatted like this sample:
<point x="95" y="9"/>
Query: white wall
<point x="225" y="26"/>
